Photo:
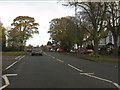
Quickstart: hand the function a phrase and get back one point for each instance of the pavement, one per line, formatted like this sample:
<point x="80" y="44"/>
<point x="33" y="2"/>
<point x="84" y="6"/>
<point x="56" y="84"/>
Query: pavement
<point x="56" y="70"/>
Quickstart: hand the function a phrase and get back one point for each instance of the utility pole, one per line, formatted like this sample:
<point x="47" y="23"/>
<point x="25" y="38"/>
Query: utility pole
<point x="76" y="23"/>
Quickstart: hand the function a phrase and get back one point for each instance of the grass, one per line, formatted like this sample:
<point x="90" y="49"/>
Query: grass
<point x="103" y="58"/>
<point x="13" y="53"/>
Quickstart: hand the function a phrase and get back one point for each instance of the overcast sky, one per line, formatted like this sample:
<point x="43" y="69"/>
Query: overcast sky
<point x="42" y="11"/>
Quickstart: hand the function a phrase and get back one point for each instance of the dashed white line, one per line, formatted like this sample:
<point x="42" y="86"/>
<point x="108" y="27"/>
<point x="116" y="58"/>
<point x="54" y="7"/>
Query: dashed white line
<point x="75" y="68"/>
<point x="93" y="76"/>
<point x="53" y="57"/>
<point x="56" y="58"/>
<point x="87" y="73"/>
<point x="90" y="74"/>
<point x="60" y="60"/>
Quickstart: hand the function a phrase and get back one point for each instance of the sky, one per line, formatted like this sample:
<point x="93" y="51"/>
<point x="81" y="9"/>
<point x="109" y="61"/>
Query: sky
<point x="42" y="11"/>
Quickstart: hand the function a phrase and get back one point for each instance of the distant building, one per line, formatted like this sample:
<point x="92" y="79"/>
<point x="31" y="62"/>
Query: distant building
<point x="106" y="40"/>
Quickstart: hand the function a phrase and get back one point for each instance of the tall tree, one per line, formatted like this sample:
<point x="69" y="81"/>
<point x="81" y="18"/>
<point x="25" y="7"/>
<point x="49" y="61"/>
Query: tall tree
<point x="113" y="22"/>
<point x="96" y="12"/>
<point x="26" y="27"/>
<point x="2" y="37"/>
<point x="62" y="31"/>
<point x="13" y="38"/>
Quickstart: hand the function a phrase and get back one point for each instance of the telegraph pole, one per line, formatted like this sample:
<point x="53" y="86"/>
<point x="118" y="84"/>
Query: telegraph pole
<point x="76" y="24"/>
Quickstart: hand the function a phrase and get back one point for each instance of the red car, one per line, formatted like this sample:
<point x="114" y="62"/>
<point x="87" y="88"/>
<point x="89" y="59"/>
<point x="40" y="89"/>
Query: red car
<point x="86" y="51"/>
<point x="59" y="50"/>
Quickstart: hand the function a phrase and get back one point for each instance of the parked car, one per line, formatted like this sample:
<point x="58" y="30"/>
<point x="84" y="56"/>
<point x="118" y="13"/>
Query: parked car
<point x="52" y="50"/>
<point x="36" y="51"/>
<point x="28" y="50"/>
<point x="86" y="51"/>
<point x="59" y="50"/>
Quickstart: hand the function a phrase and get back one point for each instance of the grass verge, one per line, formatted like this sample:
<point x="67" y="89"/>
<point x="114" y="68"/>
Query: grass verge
<point x="13" y="53"/>
<point x="103" y="58"/>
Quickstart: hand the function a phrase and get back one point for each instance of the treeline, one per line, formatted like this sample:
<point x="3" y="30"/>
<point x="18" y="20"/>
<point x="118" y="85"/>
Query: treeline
<point x="91" y="23"/>
<point x="14" y="38"/>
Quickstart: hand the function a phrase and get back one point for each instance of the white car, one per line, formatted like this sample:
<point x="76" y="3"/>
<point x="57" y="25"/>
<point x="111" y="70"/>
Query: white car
<point x="36" y="51"/>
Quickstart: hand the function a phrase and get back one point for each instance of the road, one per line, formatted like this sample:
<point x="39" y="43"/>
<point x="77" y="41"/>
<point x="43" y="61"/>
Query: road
<point x="57" y="70"/>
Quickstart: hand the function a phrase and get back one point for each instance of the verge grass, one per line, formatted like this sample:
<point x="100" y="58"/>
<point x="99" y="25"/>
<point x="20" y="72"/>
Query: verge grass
<point x="104" y="58"/>
<point x="13" y="53"/>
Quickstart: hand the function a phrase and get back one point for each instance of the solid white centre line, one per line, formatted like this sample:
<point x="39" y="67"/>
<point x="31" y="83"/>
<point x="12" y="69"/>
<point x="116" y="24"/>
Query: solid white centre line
<point x="93" y="76"/>
<point x="75" y="68"/>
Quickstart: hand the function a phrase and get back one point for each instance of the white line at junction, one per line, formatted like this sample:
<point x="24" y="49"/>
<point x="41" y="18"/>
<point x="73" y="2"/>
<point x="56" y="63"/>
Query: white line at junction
<point x="6" y="80"/>
<point x="99" y="78"/>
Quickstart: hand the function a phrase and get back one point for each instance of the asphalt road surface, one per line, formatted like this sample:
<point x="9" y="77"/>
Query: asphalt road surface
<point x="57" y="70"/>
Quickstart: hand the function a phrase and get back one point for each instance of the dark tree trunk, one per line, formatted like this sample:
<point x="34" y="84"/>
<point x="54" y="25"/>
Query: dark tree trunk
<point x="115" y="45"/>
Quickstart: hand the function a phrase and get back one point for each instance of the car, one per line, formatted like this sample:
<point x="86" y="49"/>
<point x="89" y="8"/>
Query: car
<point x="28" y="50"/>
<point x="36" y="51"/>
<point x="59" y="50"/>
<point x="86" y="51"/>
<point x="52" y="50"/>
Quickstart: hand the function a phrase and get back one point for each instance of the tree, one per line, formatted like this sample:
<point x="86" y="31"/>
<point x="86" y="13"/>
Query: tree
<point x="13" y="38"/>
<point x="96" y="12"/>
<point x="26" y="27"/>
<point x="62" y="30"/>
<point x="49" y="43"/>
<point x="2" y="36"/>
<point x="113" y="22"/>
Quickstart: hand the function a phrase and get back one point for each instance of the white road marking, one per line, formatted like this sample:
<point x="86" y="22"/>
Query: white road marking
<point x="60" y="60"/>
<point x="15" y="62"/>
<point x="75" y="68"/>
<point x="17" y="57"/>
<point x="11" y="74"/>
<point x="53" y="57"/>
<point x="21" y="57"/>
<point x="6" y="80"/>
<point x="56" y="58"/>
<point x="86" y="73"/>
<point x="93" y="76"/>
<point x="11" y="65"/>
